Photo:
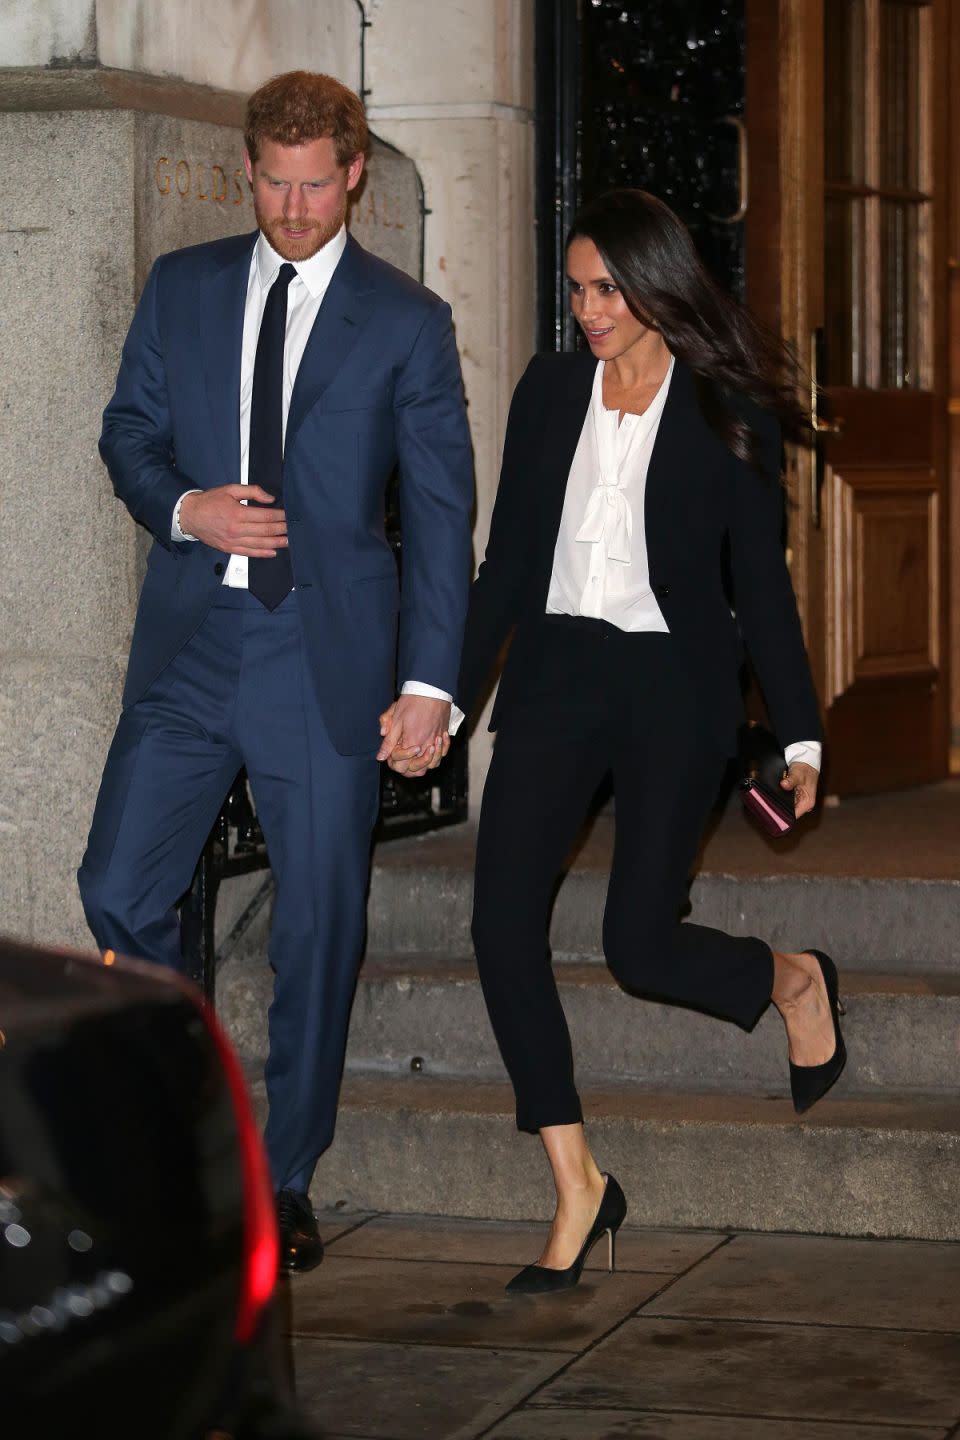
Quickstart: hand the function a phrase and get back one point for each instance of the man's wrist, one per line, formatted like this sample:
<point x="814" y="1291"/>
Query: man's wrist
<point x="177" y="532"/>
<point x="419" y="687"/>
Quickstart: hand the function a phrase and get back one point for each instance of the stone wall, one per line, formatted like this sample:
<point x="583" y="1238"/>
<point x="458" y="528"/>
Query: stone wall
<point x="110" y="190"/>
<point x="102" y="169"/>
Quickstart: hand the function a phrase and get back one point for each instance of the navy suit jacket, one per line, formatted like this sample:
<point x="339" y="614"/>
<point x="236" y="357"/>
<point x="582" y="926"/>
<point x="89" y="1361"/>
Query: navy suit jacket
<point x="699" y="500"/>
<point x="379" y="386"/>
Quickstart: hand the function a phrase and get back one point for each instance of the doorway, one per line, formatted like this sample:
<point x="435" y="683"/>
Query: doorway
<point x="847" y="256"/>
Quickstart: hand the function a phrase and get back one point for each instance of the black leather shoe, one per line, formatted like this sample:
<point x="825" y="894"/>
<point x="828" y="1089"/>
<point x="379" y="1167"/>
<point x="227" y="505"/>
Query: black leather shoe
<point x="300" y="1245"/>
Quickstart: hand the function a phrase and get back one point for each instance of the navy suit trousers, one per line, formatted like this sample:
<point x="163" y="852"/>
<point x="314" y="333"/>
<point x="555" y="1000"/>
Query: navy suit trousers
<point x="239" y="694"/>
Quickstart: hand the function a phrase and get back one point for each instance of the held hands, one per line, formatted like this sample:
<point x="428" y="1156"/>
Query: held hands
<point x="415" y="734"/>
<point x="802" y="780"/>
<point x="219" y="519"/>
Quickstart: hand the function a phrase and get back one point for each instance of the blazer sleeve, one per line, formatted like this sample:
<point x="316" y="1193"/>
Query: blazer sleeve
<point x="136" y="442"/>
<point x="764" y="601"/>
<point x="436" y="497"/>
<point x="497" y="592"/>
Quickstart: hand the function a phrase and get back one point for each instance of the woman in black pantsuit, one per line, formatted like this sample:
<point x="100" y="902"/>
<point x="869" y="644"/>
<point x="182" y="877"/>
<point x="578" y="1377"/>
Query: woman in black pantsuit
<point x="625" y="471"/>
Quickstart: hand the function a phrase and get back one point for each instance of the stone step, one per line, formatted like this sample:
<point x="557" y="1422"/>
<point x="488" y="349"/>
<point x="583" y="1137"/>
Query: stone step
<point x="849" y="1167"/>
<point x="426" y="1013"/>
<point x="420" y="903"/>
<point x="865" y="924"/>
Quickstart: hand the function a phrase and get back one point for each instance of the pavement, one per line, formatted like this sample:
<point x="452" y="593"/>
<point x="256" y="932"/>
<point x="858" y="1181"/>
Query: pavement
<point x="404" y="1333"/>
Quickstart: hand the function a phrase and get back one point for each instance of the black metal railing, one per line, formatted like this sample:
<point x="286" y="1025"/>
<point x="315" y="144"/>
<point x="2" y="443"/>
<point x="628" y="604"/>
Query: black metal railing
<point x="236" y="847"/>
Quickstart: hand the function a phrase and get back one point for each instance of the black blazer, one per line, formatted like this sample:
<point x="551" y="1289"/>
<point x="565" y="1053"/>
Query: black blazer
<point x="698" y="494"/>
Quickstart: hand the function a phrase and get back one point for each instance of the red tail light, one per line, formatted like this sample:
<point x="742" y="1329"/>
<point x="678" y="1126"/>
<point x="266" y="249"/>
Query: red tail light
<point x="261" y="1242"/>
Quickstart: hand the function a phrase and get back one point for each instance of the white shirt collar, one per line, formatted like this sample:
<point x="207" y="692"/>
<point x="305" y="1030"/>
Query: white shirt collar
<point x="316" y="273"/>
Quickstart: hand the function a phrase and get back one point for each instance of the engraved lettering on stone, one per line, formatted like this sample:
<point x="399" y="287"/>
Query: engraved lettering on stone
<point x="375" y="209"/>
<point x="197" y="180"/>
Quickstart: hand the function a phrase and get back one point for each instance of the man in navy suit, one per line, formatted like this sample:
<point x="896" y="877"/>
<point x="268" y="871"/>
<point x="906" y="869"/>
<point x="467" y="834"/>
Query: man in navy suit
<point x="269" y="386"/>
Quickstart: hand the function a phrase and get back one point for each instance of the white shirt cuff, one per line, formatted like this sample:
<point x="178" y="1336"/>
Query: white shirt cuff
<point x="417" y="687"/>
<point x="808" y="752"/>
<point x="176" y="534"/>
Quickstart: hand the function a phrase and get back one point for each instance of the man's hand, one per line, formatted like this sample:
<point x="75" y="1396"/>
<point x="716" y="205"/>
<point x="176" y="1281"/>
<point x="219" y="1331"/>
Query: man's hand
<point x="218" y="519"/>
<point x="415" y="733"/>
<point x="802" y="780"/>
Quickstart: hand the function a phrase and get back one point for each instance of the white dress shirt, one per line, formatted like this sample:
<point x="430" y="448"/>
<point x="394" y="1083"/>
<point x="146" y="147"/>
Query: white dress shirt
<point x="304" y="298"/>
<point x="600" y="562"/>
<point x="600" y="566"/>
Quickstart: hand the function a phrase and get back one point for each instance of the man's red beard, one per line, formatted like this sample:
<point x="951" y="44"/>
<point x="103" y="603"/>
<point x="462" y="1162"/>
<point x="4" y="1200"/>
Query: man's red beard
<point x="318" y="233"/>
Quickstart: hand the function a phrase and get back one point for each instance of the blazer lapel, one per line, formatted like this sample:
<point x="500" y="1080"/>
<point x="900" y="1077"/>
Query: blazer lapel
<point x="674" y="437"/>
<point x="221" y="303"/>
<point x="564" y="422"/>
<point x="343" y="313"/>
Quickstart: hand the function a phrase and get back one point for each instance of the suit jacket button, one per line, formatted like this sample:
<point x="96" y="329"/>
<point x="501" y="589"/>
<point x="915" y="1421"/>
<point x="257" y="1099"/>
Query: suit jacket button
<point x="662" y="592"/>
<point x="218" y="568"/>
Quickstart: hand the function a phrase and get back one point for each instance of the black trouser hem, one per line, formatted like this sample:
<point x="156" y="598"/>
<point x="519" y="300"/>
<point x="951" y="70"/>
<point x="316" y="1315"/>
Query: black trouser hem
<point x="571" y="1114"/>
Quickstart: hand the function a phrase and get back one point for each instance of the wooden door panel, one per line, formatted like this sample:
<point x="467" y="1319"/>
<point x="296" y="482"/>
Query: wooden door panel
<point x="885" y="539"/>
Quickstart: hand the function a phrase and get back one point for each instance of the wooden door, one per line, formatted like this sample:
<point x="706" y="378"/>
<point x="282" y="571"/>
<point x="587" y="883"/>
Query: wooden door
<point x="851" y="162"/>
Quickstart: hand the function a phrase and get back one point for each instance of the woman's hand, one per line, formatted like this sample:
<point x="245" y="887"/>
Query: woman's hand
<point x="802" y="780"/>
<point x="407" y="760"/>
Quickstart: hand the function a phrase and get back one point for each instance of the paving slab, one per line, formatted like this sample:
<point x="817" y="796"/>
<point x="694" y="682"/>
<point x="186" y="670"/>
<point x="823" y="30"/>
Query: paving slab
<point x="411" y="1392"/>
<point x="459" y="1305"/>
<point x="552" y="1423"/>
<point x="335" y="1224"/>
<point x="484" y="1242"/>
<point x="795" y="1372"/>
<point x="808" y="1279"/>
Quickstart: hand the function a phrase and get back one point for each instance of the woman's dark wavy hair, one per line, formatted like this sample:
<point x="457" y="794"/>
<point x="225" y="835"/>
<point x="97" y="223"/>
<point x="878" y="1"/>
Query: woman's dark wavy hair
<point x="650" y="255"/>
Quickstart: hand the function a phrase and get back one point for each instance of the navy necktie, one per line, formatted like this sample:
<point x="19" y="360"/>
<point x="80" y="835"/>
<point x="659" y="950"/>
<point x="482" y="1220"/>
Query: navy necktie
<point x="270" y="580"/>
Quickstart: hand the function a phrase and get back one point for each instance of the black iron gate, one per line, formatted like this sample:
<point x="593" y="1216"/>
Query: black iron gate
<point x="648" y="93"/>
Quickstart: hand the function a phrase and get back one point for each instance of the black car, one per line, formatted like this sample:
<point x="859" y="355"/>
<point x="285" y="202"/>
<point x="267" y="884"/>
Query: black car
<point x="138" y="1241"/>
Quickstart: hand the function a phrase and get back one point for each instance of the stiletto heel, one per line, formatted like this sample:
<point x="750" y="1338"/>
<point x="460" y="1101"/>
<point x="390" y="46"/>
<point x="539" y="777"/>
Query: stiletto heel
<point x="539" y="1280"/>
<point x="611" y="1252"/>
<point x="809" y="1083"/>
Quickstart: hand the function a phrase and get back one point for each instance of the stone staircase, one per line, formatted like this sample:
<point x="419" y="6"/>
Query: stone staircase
<point x="691" y="1114"/>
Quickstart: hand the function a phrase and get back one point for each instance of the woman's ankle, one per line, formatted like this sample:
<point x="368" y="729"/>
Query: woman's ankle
<point x="791" y="981"/>
<point x="574" y="1185"/>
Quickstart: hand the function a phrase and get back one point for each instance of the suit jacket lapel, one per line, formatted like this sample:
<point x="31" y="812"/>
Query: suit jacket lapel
<point x="564" y="415"/>
<point x="342" y="315"/>
<point x="674" y="435"/>
<point x="221" y="302"/>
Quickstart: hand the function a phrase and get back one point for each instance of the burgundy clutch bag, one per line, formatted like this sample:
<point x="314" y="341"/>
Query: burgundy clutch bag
<point x="773" y="810"/>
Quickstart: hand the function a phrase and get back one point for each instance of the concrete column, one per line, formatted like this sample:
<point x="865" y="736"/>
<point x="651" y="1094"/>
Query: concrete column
<point x="453" y="88"/>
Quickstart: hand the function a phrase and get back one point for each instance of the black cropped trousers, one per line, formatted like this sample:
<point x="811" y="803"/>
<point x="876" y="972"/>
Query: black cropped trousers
<point x="603" y="700"/>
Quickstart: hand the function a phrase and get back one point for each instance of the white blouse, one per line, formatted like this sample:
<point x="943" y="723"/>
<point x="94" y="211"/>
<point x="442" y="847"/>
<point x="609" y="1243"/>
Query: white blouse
<point x="600" y="566"/>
